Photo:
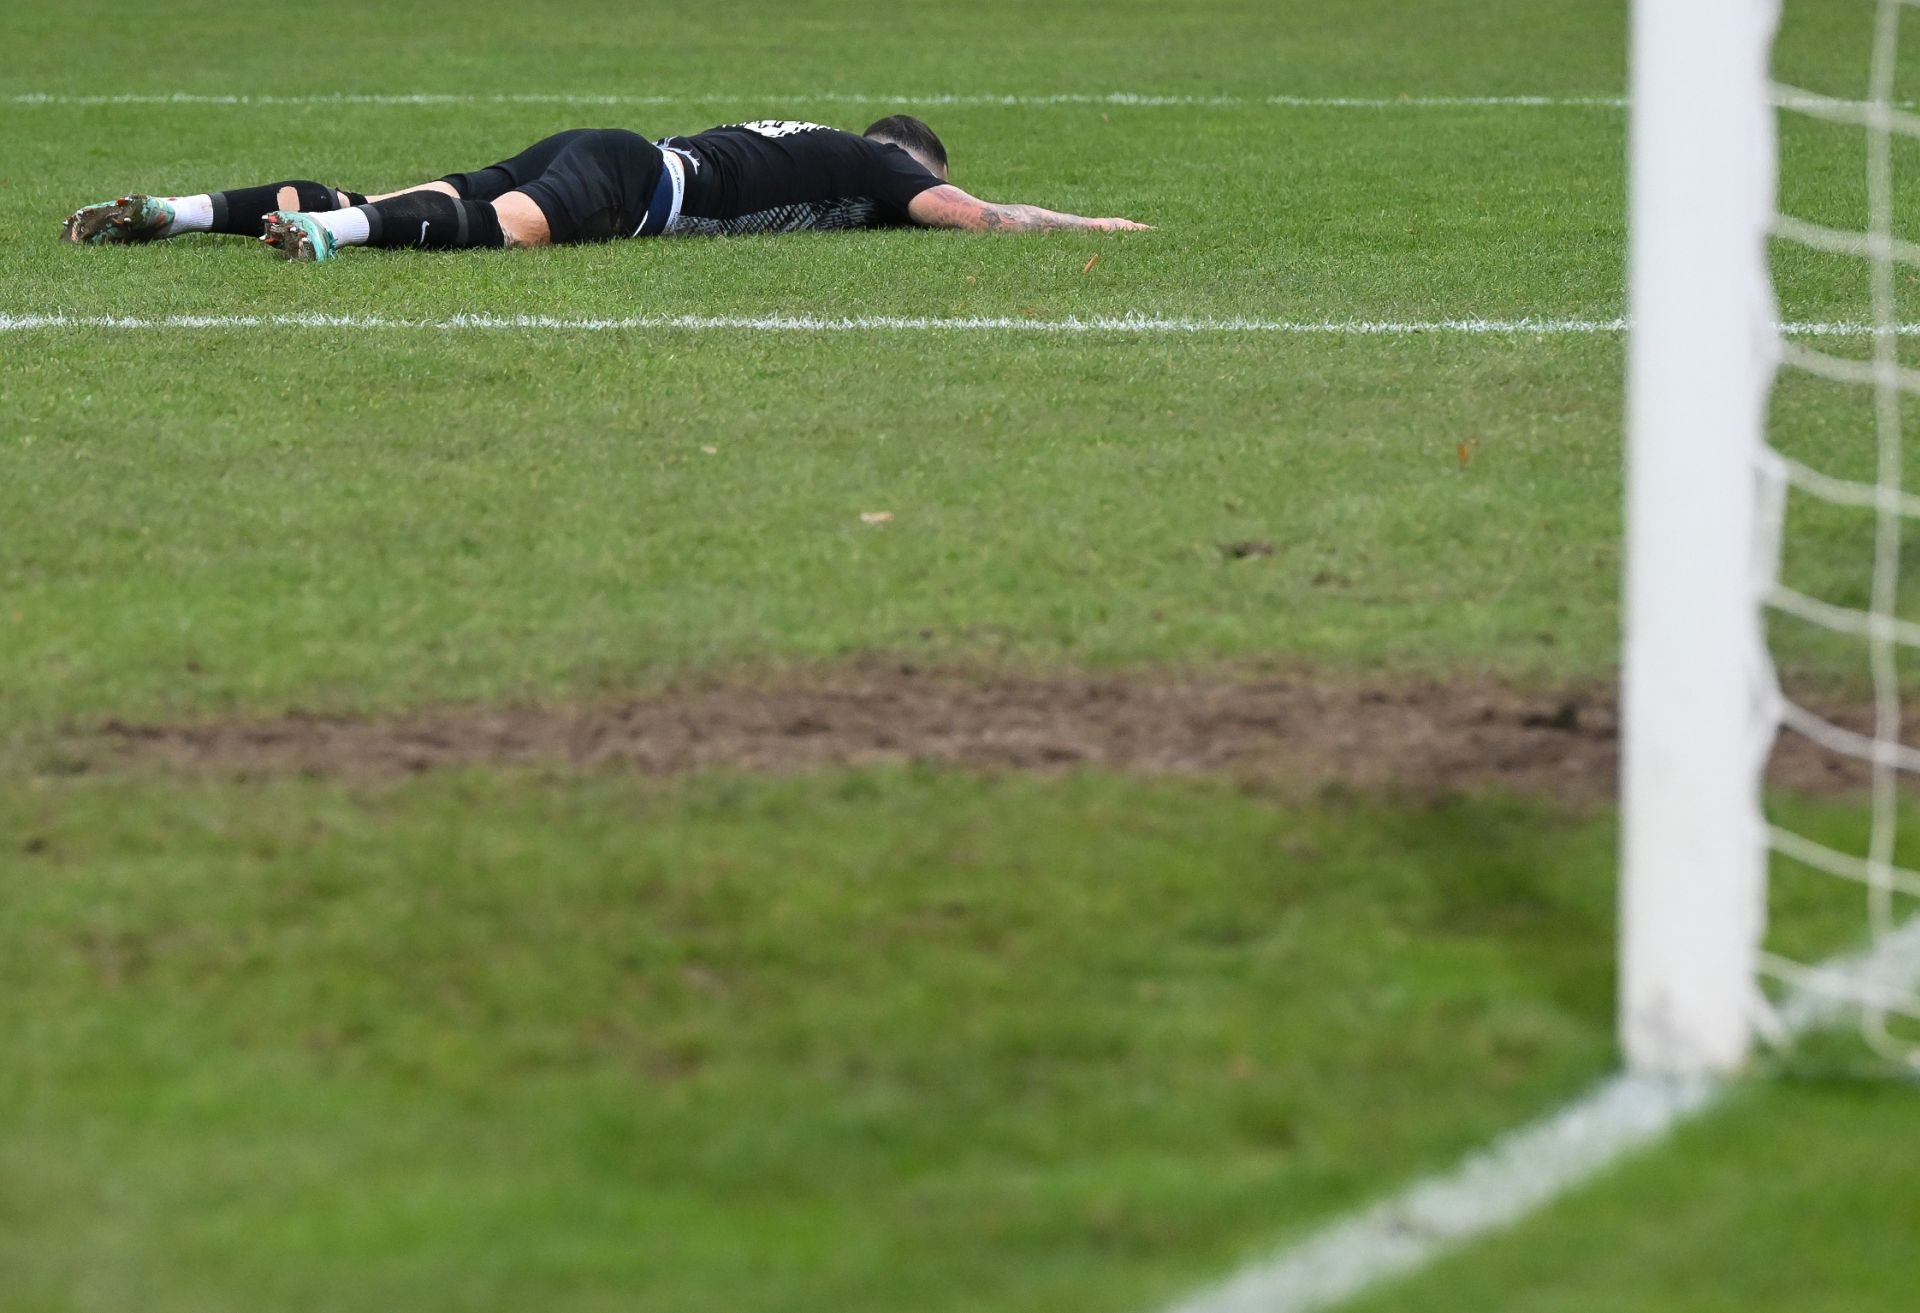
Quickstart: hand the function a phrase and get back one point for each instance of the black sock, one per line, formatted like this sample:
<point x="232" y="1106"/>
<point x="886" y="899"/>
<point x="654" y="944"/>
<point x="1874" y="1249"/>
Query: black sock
<point x="426" y="218"/>
<point x="244" y="209"/>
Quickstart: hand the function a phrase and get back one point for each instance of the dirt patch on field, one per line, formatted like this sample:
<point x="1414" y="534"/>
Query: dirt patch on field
<point x="1433" y="737"/>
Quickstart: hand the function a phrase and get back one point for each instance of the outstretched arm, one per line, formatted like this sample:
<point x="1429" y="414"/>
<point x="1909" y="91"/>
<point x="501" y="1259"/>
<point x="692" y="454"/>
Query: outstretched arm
<point x="946" y="206"/>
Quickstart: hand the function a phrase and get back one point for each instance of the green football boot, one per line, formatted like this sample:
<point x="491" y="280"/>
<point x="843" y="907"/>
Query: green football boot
<point x="129" y="219"/>
<point x="298" y="236"/>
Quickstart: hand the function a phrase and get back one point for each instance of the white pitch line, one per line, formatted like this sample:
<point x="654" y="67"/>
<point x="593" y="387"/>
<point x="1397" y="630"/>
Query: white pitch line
<point x="1073" y="324"/>
<point x="1530" y="1168"/>
<point x="1122" y="99"/>
<point x="820" y="324"/>
<point x="1494" y="1188"/>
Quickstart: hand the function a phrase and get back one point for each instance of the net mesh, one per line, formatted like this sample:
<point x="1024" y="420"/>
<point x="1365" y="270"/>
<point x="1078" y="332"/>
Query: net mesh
<point x="1851" y="487"/>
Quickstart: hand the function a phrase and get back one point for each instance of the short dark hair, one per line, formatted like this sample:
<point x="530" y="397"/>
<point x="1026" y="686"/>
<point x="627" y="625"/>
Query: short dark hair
<point x="908" y="131"/>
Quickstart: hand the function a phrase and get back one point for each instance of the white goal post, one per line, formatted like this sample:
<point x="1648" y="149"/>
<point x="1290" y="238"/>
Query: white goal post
<point x="1694" y="706"/>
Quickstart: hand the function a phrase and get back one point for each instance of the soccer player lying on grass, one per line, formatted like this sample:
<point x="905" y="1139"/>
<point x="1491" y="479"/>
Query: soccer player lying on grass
<point x="594" y="184"/>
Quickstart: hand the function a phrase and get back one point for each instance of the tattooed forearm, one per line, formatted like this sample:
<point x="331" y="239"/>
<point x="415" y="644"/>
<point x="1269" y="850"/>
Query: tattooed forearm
<point x="1028" y="219"/>
<point x="949" y="207"/>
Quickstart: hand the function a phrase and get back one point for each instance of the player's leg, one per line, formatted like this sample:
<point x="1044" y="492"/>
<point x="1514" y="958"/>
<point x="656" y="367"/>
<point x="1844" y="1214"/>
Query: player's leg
<point x="440" y="187"/>
<point x="496" y="180"/>
<point x="488" y="184"/>
<point x="592" y="184"/>
<point x="522" y="220"/>
<point x="451" y="211"/>
<point x="426" y="216"/>
<point x="241" y="211"/>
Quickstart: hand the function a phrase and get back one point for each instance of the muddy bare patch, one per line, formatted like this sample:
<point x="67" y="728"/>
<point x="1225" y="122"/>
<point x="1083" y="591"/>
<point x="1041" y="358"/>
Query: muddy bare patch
<point x="1433" y="737"/>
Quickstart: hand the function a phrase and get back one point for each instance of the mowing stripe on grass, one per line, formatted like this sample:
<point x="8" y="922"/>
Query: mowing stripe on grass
<point x="1133" y="99"/>
<point x="1152" y="324"/>
<point x="1528" y="1169"/>
<point x="1789" y="99"/>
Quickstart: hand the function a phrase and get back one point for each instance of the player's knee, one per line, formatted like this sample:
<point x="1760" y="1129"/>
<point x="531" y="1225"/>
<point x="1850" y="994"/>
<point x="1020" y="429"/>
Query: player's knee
<point x="522" y="223"/>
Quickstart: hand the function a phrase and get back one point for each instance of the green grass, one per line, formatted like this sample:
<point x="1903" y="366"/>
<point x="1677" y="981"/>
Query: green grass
<point x="1793" y="1198"/>
<point x="442" y="543"/>
<point x="365" y="520"/>
<point x="859" y="1040"/>
<point x="893" y="1038"/>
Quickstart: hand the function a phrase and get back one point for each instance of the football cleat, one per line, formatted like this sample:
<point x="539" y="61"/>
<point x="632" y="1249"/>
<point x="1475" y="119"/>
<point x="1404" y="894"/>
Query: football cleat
<point x="130" y="219"/>
<point x="298" y="236"/>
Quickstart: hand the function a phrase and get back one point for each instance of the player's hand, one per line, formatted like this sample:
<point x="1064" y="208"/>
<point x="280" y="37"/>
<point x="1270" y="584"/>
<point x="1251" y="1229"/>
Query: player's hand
<point x="1121" y="225"/>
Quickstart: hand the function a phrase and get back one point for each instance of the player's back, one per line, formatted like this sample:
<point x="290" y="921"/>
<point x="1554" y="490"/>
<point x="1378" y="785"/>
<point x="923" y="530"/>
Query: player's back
<point x="781" y="175"/>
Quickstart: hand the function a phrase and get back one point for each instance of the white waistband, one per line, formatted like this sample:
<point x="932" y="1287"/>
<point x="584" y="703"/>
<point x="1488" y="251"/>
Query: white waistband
<point x="676" y="170"/>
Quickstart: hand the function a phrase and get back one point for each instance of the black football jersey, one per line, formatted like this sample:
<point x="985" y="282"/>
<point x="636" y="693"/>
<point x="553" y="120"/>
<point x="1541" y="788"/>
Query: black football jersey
<point x="779" y="176"/>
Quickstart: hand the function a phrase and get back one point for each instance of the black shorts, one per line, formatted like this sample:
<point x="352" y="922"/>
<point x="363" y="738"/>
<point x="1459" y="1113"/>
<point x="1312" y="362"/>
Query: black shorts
<point x="592" y="184"/>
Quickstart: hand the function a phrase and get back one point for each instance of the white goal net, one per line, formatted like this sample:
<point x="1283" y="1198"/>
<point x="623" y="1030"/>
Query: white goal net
<point x="1773" y="586"/>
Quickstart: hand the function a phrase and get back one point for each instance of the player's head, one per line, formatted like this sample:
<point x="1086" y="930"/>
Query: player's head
<point x="915" y="138"/>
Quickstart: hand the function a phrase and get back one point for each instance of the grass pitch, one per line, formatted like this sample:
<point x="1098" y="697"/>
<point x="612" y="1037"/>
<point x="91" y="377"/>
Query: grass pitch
<point x="481" y="1041"/>
<point x="865" y="1039"/>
